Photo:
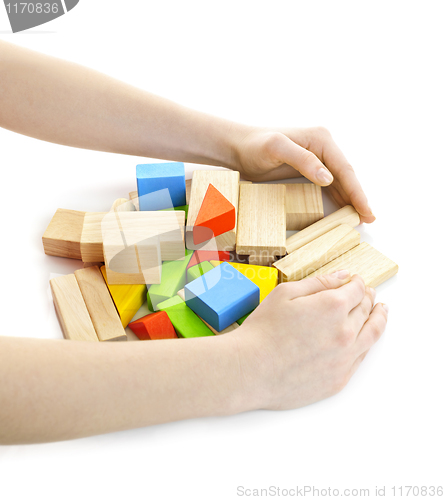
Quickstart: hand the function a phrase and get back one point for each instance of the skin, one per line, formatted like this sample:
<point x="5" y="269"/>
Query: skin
<point x="301" y="345"/>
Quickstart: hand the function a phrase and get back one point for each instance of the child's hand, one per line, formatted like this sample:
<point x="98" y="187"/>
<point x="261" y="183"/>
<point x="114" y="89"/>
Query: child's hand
<point x="264" y="154"/>
<point x="306" y="339"/>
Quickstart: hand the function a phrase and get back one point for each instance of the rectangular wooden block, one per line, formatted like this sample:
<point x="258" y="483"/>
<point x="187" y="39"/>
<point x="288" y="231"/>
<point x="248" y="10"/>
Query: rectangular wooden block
<point x="100" y="305"/>
<point x="71" y="309"/>
<point x="317" y="253"/>
<point x="364" y="260"/>
<point x="304" y="205"/>
<point x="262" y="220"/>
<point x="346" y="215"/>
<point x="188" y="190"/>
<point x="133" y="195"/>
<point x="91" y="244"/>
<point x="63" y="234"/>
<point x="227" y="183"/>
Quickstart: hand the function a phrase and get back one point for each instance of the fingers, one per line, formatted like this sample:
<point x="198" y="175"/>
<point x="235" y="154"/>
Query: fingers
<point x="287" y="151"/>
<point x="373" y="328"/>
<point x="309" y="286"/>
<point x="348" y="296"/>
<point x="359" y="315"/>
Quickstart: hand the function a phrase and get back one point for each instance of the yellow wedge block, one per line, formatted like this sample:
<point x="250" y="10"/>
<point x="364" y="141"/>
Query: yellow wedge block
<point x="127" y="298"/>
<point x="265" y="277"/>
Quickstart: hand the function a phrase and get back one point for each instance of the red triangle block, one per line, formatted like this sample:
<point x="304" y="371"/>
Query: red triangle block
<point x="216" y="216"/>
<point x="154" y="327"/>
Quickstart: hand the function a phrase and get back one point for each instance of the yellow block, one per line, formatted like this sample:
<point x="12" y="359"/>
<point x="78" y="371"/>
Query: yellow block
<point x="127" y="298"/>
<point x="266" y="278"/>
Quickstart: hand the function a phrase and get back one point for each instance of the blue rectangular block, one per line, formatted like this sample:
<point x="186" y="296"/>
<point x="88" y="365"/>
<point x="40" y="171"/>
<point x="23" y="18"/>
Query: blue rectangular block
<point x="222" y="296"/>
<point x="160" y="185"/>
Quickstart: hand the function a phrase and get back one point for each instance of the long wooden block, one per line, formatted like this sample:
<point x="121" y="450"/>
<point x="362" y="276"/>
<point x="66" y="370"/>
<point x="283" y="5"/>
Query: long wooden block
<point x="188" y="190"/>
<point x="364" y="260"/>
<point x="100" y="305"/>
<point x="304" y="205"/>
<point x="71" y="309"/>
<point x="317" y="253"/>
<point x="91" y="244"/>
<point x="63" y="234"/>
<point x="346" y="215"/>
<point x="227" y="183"/>
<point x="262" y="220"/>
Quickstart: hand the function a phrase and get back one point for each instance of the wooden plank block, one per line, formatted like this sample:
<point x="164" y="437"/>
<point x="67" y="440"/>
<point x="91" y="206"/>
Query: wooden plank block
<point x="92" y="264"/>
<point x="346" y="215"/>
<point x="304" y="205"/>
<point x="127" y="298"/>
<point x="227" y="183"/>
<point x="154" y="326"/>
<point x="262" y="220"/>
<point x="63" y="234"/>
<point x="317" y="253"/>
<point x="91" y="246"/>
<point x="123" y="205"/>
<point x="261" y="259"/>
<point x="188" y="190"/>
<point x="364" y="260"/>
<point x="133" y="195"/>
<point x="71" y="309"/>
<point x="100" y="305"/>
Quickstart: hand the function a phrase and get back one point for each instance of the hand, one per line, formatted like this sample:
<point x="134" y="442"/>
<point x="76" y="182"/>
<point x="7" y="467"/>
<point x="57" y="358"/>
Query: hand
<point x="264" y="155"/>
<point x="306" y="339"/>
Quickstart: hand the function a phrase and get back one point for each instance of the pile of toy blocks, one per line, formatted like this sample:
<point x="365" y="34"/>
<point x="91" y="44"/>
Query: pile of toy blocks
<point x="201" y="253"/>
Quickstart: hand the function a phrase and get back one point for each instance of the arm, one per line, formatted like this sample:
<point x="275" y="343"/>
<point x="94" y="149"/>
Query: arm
<point x="62" y="102"/>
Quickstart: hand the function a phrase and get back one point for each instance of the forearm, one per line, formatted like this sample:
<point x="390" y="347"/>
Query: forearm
<point x="62" y="102"/>
<point x="56" y="390"/>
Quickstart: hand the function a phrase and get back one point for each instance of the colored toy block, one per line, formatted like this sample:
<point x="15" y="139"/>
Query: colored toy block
<point x="153" y="327"/>
<point x="317" y="253"/>
<point x="133" y="195"/>
<point x="241" y="320"/>
<point x="63" y="234"/>
<point x="71" y="309"/>
<point x="160" y="185"/>
<point x="346" y="215"/>
<point x="127" y="298"/>
<point x="304" y="205"/>
<point x="227" y="183"/>
<point x="262" y="220"/>
<point x="123" y="205"/>
<point x="195" y="272"/>
<point x="222" y="296"/>
<point x="216" y="216"/>
<point x="100" y="305"/>
<point x="208" y="255"/>
<point x="173" y="279"/>
<point x="364" y="260"/>
<point x="187" y="324"/>
<point x="266" y="278"/>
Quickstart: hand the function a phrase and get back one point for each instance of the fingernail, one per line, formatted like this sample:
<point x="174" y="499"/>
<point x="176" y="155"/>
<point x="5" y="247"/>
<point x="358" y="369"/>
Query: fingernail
<point x="324" y="176"/>
<point x="386" y="308"/>
<point x="341" y="275"/>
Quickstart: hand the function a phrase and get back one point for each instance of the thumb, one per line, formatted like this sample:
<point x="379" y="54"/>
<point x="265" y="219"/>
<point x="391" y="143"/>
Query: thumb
<point x="317" y="284"/>
<point x="304" y="161"/>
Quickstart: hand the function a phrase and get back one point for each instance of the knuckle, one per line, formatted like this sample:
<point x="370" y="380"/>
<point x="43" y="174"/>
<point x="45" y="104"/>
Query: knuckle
<point x="272" y="143"/>
<point x="321" y="131"/>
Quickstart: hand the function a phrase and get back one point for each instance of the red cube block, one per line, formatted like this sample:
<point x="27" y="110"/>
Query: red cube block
<point x="154" y="326"/>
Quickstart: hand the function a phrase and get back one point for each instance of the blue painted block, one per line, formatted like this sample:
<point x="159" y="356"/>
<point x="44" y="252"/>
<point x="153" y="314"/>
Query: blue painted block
<point x="221" y="296"/>
<point x="160" y="185"/>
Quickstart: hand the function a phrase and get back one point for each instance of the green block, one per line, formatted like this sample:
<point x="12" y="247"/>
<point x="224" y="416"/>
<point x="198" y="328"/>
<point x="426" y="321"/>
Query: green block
<point x="184" y="320"/>
<point x="243" y="318"/>
<point x="172" y="279"/>
<point x="195" y="272"/>
<point x="149" y="304"/>
<point x="184" y="208"/>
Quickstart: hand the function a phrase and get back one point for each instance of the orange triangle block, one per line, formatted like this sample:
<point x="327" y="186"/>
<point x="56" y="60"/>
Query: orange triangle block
<point x="216" y="216"/>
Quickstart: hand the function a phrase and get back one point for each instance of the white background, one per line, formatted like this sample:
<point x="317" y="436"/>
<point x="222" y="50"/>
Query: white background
<point x="373" y="73"/>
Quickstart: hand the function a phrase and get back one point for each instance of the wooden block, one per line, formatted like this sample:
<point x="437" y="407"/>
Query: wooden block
<point x="304" y="205"/>
<point x="133" y="195"/>
<point x="266" y="278"/>
<point x="221" y="296"/>
<point x="188" y="189"/>
<point x="227" y="183"/>
<point x="100" y="305"/>
<point x="71" y="309"/>
<point x="346" y="215"/>
<point x="183" y="208"/>
<point x="206" y="255"/>
<point x="195" y="272"/>
<point x="91" y="245"/>
<point x="216" y="216"/>
<point x="364" y="260"/>
<point x="123" y="205"/>
<point x="127" y="298"/>
<point x="262" y="259"/>
<point x="154" y="326"/>
<point x="92" y="264"/>
<point x="317" y="253"/>
<point x="187" y="324"/>
<point x="63" y="234"/>
<point x="262" y="220"/>
<point x="173" y="279"/>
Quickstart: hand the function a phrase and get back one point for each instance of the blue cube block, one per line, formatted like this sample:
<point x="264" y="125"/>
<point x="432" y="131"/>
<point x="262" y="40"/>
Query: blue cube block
<point x="160" y="185"/>
<point x="222" y="296"/>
